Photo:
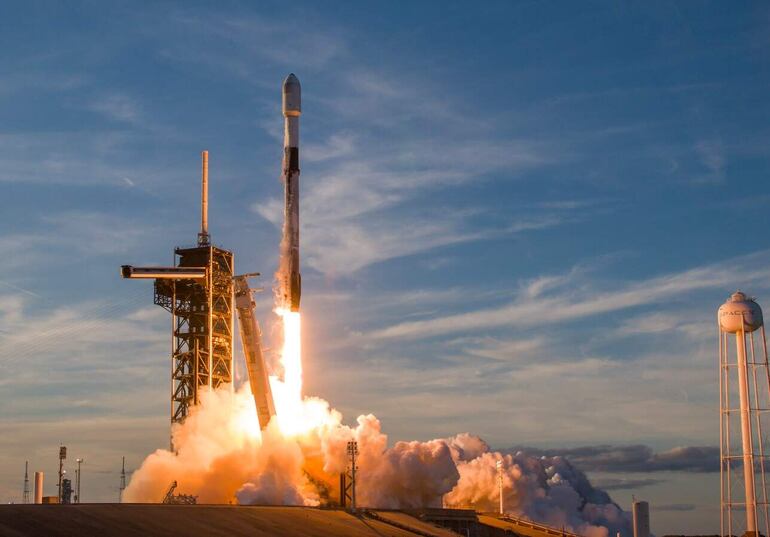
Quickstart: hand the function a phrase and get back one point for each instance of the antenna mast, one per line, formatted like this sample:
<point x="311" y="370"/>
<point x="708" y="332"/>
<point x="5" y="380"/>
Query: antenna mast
<point x="26" y="482"/>
<point x="62" y="456"/>
<point x="122" y="481"/>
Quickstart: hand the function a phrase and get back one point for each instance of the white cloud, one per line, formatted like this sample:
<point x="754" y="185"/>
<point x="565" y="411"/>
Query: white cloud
<point x="529" y="311"/>
<point x="505" y="350"/>
<point x="118" y="106"/>
<point x="87" y="233"/>
<point x="241" y="45"/>
<point x="40" y="79"/>
<point x="336" y="146"/>
<point x="358" y="204"/>
<point x="94" y="233"/>
<point x="267" y="38"/>
<point x="531" y="391"/>
<point x="353" y="245"/>
<point x="350" y="217"/>
<point x="92" y="347"/>
<point x="712" y="157"/>
<point x="72" y="158"/>
<point x="683" y="321"/>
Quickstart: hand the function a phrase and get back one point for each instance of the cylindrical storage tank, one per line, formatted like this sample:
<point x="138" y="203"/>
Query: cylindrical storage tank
<point x="38" y="487"/>
<point x="641" y="512"/>
<point x="739" y="312"/>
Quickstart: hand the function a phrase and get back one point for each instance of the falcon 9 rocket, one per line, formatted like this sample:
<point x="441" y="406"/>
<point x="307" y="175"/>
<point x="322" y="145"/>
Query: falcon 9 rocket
<point x="290" y="279"/>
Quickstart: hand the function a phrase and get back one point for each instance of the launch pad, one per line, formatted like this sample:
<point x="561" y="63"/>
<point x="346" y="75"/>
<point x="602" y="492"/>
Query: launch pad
<point x="158" y="520"/>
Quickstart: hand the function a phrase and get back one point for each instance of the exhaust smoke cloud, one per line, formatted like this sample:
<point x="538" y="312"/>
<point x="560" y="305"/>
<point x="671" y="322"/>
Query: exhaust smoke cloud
<point x="222" y="457"/>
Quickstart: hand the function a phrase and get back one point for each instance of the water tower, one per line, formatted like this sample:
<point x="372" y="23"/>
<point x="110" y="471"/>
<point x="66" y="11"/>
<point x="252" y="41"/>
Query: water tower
<point x="744" y="400"/>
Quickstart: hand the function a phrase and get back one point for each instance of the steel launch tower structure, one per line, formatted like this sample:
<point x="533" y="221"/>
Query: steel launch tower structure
<point x="198" y="292"/>
<point x="744" y="400"/>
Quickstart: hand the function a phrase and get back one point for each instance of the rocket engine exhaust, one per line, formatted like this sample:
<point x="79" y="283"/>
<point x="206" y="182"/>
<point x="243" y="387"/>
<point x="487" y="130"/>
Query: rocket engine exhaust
<point x="290" y="281"/>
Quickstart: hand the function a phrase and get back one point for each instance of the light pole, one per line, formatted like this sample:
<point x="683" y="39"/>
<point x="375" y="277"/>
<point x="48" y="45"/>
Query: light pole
<point x="499" y="465"/>
<point x="77" y="496"/>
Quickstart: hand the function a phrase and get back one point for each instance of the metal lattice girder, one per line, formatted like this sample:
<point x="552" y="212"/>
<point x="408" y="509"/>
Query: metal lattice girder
<point x="200" y="300"/>
<point x="203" y="342"/>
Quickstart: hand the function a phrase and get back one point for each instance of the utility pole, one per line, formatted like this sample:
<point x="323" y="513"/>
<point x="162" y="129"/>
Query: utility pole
<point x="353" y="453"/>
<point x="62" y="456"/>
<point x="122" y="481"/>
<point x="499" y="465"/>
<point x="25" y="498"/>
<point x="77" y="480"/>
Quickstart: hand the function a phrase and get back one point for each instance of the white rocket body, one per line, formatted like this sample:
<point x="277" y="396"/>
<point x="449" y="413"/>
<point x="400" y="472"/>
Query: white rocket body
<point x="291" y="281"/>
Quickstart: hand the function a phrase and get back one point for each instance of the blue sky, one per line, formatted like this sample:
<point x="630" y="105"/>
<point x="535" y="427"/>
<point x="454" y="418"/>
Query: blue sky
<point x="518" y="218"/>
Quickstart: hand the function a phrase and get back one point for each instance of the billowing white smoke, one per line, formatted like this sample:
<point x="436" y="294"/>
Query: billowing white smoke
<point x="223" y="458"/>
<point x="547" y="490"/>
<point x="217" y="451"/>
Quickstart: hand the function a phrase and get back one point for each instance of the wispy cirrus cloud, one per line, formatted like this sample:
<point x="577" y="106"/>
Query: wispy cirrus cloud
<point x="586" y="302"/>
<point x="352" y="245"/>
<point x="41" y="79"/>
<point x="336" y="146"/>
<point x="656" y="323"/>
<point x="543" y="356"/>
<point x="118" y="107"/>
<point x="73" y="158"/>
<point x="385" y="151"/>
<point x="713" y="158"/>
<point x="357" y="209"/>
<point x="345" y="226"/>
<point x="242" y="45"/>
<point x="58" y="235"/>
<point x="90" y="346"/>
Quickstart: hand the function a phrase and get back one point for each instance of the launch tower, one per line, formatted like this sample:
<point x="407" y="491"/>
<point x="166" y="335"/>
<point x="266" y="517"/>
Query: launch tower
<point x="198" y="292"/>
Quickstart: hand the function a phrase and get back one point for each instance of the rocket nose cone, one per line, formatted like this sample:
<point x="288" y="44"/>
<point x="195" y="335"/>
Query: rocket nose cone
<point x="290" y="83"/>
<point x="292" y="96"/>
